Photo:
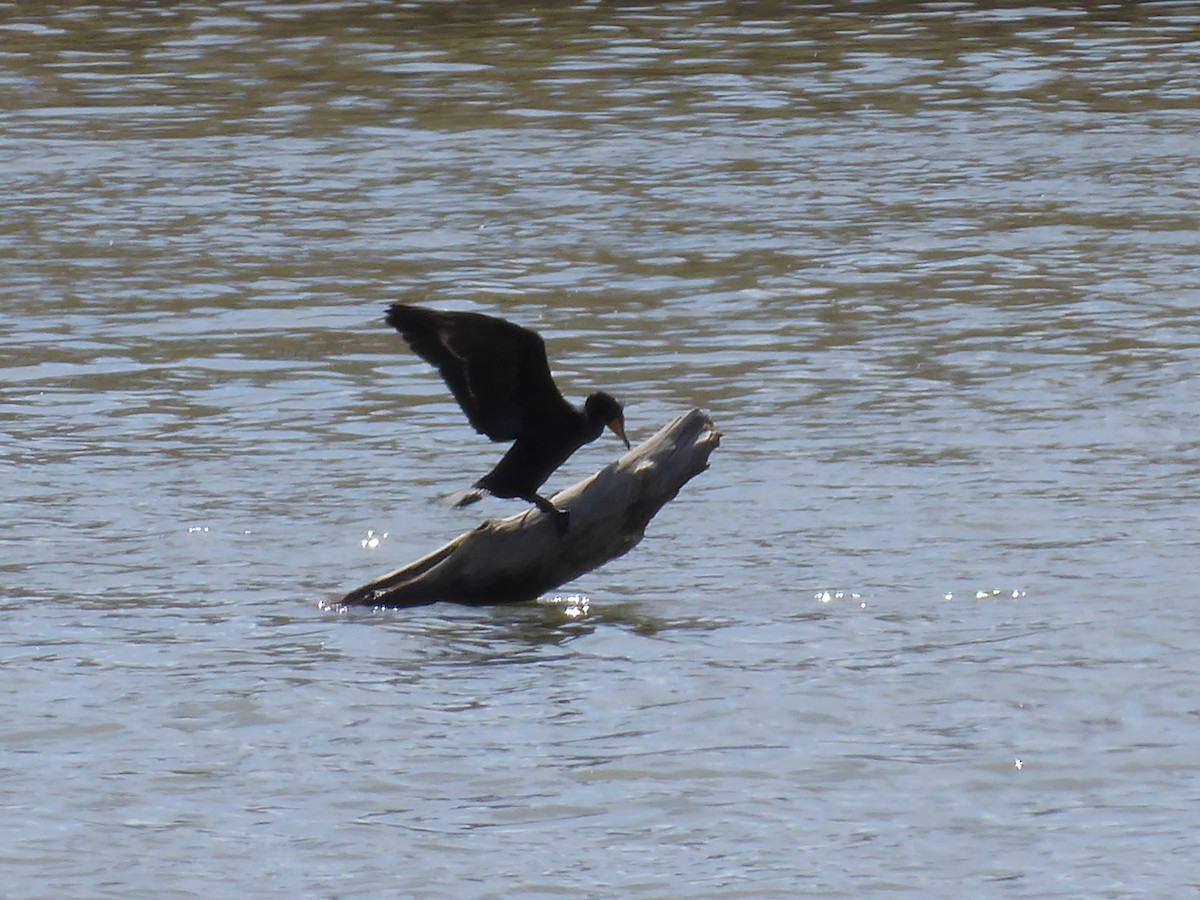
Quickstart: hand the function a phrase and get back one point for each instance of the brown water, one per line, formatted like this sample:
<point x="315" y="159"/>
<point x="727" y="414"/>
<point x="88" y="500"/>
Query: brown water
<point x="930" y="267"/>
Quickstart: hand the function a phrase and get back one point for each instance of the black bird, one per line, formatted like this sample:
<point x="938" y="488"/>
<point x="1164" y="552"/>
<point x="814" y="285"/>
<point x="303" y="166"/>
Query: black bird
<point x="499" y="375"/>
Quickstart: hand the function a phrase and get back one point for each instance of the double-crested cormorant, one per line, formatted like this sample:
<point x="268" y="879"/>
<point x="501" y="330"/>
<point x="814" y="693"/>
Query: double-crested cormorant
<point x="499" y="375"/>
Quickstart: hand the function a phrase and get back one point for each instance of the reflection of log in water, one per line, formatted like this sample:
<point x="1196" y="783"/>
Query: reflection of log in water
<point x="523" y="556"/>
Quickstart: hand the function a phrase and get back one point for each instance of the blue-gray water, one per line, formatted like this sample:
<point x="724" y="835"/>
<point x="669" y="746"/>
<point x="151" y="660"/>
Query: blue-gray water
<point x="927" y="627"/>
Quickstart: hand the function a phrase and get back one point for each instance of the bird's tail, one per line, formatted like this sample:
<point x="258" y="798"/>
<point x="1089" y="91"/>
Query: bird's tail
<point x="463" y="498"/>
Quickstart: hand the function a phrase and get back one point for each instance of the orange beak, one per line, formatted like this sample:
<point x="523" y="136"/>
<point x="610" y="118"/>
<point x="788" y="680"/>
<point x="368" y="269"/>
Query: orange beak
<point x="617" y="426"/>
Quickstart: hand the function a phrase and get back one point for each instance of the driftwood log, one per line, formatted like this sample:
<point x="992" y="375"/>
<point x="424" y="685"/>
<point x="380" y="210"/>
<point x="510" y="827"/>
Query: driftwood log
<point x="523" y="556"/>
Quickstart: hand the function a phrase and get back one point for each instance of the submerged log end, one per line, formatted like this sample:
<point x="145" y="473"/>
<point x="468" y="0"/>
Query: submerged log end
<point x="523" y="556"/>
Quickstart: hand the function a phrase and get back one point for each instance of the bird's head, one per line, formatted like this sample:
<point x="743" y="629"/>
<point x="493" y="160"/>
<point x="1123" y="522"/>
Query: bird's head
<point x="607" y="412"/>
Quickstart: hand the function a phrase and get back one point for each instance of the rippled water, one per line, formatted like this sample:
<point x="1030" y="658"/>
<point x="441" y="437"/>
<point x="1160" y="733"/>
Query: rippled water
<point x="929" y="621"/>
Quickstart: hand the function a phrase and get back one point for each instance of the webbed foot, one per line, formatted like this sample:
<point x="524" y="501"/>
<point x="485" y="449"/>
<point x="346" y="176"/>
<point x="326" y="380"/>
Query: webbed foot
<point x="560" y="517"/>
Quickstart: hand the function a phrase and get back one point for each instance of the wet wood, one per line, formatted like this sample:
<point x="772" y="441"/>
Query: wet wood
<point x="524" y="556"/>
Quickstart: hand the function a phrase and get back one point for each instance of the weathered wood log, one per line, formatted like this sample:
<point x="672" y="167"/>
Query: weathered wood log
<point x="523" y="556"/>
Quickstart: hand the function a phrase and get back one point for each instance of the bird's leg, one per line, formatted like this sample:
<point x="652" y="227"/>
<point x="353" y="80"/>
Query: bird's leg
<point x="561" y="517"/>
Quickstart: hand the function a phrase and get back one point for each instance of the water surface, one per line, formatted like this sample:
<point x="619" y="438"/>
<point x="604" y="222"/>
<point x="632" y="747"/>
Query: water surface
<point x="928" y="621"/>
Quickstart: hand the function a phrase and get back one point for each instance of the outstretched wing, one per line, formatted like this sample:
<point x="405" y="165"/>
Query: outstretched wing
<point x="496" y="370"/>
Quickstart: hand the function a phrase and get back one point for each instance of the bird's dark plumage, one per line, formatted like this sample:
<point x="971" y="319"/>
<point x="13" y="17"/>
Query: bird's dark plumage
<point x="499" y="374"/>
